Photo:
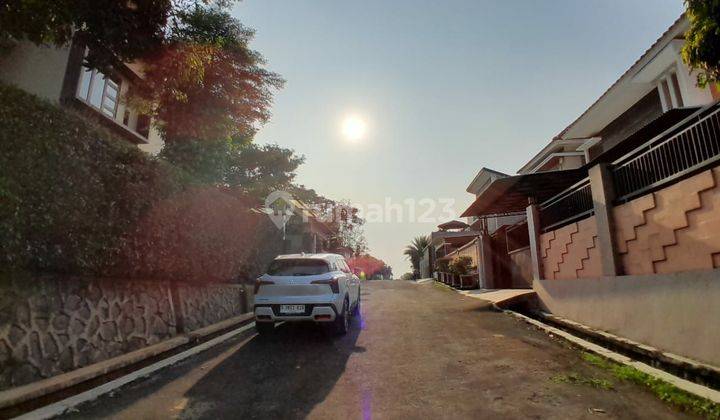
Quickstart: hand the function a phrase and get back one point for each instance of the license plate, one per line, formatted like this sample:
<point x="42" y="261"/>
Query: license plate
<point x="292" y="309"/>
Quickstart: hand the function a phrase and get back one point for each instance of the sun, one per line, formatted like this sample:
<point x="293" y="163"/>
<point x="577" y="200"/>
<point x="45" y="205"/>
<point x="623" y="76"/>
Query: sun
<point x="353" y="128"/>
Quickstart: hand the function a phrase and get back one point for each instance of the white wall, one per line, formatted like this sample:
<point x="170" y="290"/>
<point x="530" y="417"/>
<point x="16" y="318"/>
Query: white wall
<point x="37" y="70"/>
<point x="677" y="313"/>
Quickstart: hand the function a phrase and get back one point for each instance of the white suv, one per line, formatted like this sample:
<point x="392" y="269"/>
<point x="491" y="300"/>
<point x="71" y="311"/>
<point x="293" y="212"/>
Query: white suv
<point x="307" y="287"/>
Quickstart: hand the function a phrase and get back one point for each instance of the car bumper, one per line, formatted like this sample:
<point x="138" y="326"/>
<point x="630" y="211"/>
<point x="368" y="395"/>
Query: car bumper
<point x="316" y="310"/>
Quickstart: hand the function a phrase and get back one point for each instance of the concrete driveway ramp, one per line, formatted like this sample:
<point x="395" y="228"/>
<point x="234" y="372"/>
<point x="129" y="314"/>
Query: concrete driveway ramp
<point x="504" y="298"/>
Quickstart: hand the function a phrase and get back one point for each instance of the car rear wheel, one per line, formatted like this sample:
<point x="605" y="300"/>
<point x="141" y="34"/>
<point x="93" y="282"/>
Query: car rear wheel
<point x="342" y="321"/>
<point x="264" y="328"/>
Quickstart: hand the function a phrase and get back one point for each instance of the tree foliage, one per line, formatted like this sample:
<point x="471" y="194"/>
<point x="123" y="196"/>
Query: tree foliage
<point x="69" y="190"/>
<point x="119" y="29"/>
<point x="461" y="265"/>
<point x="341" y="216"/>
<point x="371" y="266"/>
<point x="260" y="170"/>
<point x="414" y="251"/>
<point x="205" y="83"/>
<point x="702" y="40"/>
<point x="202" y="81"/>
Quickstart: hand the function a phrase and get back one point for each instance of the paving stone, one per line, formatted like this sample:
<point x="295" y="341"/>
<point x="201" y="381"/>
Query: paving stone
<point x="66" y="361"/>
<point x="72" y="303"/>
<point x="4" y="352"/>
<point x="20" y="352"/>
<point x="158" y="327"/>
<point x="42" y="323"/>
<point x="81" y="344"/>
<point x="140" y="326"/>
<point x="84" y="311"/>
<point x="15" y="335"/>
<point x="127" y="326"/>
<point x="63" y="339"/>
<point x="60" y="322"/>
<point x="108" y="331"/>
<point x="93" y="326"/>
<point x="49" y="346"/>
<point x="77" y="327"/>
<point x="22" y="314"/>
<point x="115" y="311"/>
<point x="34" y="346"/>
<point x="24" y="374"/>
<point x="93" y="293"/>
<point x="137" y="343"/>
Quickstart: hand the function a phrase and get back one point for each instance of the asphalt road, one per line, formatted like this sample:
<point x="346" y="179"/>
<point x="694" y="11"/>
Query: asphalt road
<point x="417" y="351"/>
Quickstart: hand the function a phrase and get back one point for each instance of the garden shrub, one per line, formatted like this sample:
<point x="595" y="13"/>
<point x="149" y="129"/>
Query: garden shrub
<point x="203" y="234"/>
<point x="462" y="265"/>
<point x="69" y="189"/>
<point x="76" y="199"/>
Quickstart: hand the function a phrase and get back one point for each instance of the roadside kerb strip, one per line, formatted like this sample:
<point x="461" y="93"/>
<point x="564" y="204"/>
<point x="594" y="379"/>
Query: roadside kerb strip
<point x="61" y="407"/>
<point x="47" y="386"/>
<point x="685" y="385"/>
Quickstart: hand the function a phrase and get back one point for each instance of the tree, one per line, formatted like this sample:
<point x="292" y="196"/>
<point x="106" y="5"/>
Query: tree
<point x="201" y="79"/>
<point x="702" y="40"/>
<point x="461" y="265"/>
<point x="260" y="170"/>
<point x="205" y="83"/>
<point x="117" y="29"/>
<point x="368" y="264"/>
<point x="414" y="251"/>
<point x="341" y="216"/>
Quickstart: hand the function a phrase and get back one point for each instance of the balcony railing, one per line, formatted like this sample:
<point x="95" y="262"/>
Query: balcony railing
<point x="688" y="147"/>
<point x="571" y="205"/>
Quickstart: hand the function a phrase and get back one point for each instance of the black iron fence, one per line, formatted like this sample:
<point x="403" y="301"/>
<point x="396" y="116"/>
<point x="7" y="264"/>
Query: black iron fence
<point x="569" y="206"/>
<point x="690" y="146"/>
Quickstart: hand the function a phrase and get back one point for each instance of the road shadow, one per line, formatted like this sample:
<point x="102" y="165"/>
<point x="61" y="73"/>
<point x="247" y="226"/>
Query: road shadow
<point x="283" y="375"/>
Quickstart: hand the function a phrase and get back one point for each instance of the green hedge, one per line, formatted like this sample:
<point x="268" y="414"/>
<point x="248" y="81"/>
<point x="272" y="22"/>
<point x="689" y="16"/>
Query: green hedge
<point x="69" y="189"/>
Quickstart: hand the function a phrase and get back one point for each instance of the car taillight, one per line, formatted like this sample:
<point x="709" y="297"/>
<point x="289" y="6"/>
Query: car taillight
<point x="259" y="283"/>
<point x="334" y="286"/>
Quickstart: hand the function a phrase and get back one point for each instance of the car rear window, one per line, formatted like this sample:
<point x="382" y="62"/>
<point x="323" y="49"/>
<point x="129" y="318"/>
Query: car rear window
<point x="298" y="267"/>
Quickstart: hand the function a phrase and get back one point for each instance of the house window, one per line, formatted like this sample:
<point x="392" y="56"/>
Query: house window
<point x="669" y="89"/>
<point x="99" y="91"/>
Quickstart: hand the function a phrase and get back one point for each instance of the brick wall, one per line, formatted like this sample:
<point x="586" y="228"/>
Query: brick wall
<point x="571" y="251"/>
<point x="673" y="229"/>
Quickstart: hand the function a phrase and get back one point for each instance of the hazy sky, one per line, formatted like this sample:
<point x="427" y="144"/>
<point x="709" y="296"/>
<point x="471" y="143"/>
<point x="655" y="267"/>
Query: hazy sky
<point x="445" y="87"/>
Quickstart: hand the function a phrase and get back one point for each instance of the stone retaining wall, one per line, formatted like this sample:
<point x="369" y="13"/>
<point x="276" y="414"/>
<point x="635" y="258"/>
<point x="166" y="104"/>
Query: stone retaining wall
<point x="50" y="325"/>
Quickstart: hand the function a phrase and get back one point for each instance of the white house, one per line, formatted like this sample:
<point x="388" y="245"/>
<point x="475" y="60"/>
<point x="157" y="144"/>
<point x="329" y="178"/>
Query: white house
<point x="58" y="74"/>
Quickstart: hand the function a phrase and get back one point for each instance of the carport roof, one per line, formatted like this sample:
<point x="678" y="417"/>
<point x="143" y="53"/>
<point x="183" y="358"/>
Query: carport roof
<point x="510" y="195"/>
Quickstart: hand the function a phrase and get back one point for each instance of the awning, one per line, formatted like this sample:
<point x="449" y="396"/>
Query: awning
<point x="453" y="224"/>
<point x="505" y="196"/>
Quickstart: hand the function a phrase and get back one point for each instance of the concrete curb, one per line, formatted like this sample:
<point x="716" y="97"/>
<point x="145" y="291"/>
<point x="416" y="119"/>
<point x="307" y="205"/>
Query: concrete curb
<point x="63" y="406"/>
<point x="685" y="385"/>
<point x="674" y="360"/>
<point x="57" y="383"/>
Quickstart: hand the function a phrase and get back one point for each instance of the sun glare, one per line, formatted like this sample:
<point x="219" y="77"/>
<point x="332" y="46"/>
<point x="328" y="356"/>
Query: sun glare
<point x="353" y="128"/>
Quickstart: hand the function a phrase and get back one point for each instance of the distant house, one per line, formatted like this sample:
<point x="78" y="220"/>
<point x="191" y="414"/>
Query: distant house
<point x="58" y="75"/>
<point x="305" y="231"/>
<point x="620" y="212"/>
<point x="444" y="245"/>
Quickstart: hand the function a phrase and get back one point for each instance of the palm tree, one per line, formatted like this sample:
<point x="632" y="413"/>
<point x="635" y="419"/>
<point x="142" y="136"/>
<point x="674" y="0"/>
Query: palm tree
<point x="415" y="250"/>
